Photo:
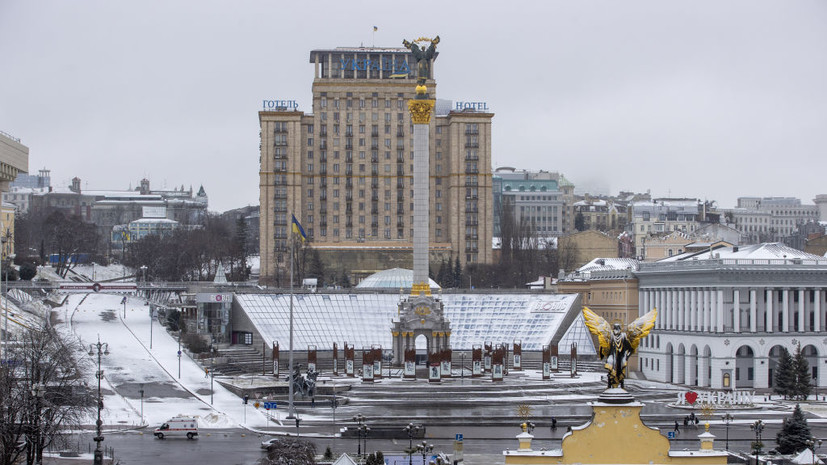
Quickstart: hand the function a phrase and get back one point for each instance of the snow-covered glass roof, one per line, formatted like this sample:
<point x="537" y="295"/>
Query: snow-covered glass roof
<point x="394" y="278"/>
<point x="366" y="319"/>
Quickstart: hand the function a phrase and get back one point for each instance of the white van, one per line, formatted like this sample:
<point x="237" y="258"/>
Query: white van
<point x="178" y="427"/>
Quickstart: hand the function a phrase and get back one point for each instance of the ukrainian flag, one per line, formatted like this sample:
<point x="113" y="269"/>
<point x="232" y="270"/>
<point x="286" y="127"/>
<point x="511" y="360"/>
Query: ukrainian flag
<point x="297" y="228"/>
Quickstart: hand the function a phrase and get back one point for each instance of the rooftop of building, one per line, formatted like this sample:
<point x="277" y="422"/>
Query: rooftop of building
<point x="394" y="278"/>
<point x="772" y="254"/>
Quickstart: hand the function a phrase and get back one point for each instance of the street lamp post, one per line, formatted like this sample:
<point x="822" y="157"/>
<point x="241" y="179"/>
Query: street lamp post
<point x="99" y="348"/>
<point x="361" y="432"/>
<point x="758" y="427"/>
<point x="424" y="448"/>
<point x="38" y="391"/>
<point x="411" y="431"/>
<point x="727" y="418"/>
<point x="812" y="444"/>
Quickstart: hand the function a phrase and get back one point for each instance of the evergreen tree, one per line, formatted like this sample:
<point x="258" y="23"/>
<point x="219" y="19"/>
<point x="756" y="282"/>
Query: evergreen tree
<point x="316" y="269"/>
<point x="794" y="433"/>
<point x="802" y="375"/>
<point x="457" y="274"/>
<point x="785" y="374"/>
<point x="441" y="275"/>
<point x="579" y="222"/>
<point x="328" y="454"/>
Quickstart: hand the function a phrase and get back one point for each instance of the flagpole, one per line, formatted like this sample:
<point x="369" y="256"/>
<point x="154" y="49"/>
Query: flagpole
<point x="291" y="411"/>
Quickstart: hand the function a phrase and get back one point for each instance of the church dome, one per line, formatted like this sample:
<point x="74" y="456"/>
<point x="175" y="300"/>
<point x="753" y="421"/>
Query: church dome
<point x="393" y="278"/>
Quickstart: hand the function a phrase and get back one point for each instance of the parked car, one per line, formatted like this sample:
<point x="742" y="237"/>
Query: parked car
<point x="272" y="441"/>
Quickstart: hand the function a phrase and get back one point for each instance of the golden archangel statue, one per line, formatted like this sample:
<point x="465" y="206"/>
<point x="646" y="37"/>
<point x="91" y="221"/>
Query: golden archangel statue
<point x="617" y="344"/>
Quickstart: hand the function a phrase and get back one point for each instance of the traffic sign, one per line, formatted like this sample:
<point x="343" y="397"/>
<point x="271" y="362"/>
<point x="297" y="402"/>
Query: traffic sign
<point x="270" y="405"/>
<point x="459" y="438"/>
<point x="671" y="434"/>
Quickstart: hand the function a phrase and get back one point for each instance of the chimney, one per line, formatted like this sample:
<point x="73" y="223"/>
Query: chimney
<point x="75" y="185"/>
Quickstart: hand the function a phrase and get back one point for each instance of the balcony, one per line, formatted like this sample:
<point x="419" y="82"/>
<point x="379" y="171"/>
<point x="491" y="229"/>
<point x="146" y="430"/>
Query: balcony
<point x="472" y="145"/>
<point x="470" y="170"/>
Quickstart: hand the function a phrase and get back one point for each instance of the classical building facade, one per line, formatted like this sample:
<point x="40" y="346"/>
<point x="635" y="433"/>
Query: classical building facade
<point x="345" y="169"/>
<point x="542" y="200"/>
<point x="725" y="313"/>
<point x="763" y="219"/>
<point x="14" y="159"/>
<point x="661" y="216"/>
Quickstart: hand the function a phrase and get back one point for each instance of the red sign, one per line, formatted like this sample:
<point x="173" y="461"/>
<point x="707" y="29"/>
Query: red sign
<point x="691" y="397"/>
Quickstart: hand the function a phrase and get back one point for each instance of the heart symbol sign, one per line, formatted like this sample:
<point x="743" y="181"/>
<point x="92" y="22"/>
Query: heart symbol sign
<point x="691" y="397"/>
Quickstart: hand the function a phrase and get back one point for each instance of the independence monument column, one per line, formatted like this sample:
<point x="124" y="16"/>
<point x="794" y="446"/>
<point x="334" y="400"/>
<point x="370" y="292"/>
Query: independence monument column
<point x="420" y="314"/>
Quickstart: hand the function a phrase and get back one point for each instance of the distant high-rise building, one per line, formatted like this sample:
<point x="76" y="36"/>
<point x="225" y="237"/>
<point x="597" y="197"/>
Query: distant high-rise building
<point x="345" y="169"/>
<point x="541" y="200"/>
<point x="770" y="219"/>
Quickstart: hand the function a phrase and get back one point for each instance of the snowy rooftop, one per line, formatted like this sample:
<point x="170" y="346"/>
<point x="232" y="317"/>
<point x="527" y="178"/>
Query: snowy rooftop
<point x="768" y="251"/>
<point x="394" y="278"/>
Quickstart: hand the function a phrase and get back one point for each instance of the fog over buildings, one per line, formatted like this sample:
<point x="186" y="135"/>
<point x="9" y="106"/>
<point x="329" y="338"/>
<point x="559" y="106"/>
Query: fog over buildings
<point x="686" y="99"/>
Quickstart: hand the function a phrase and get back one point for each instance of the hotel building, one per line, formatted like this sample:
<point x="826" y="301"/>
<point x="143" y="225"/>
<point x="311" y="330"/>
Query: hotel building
<point x="345" y="169"/>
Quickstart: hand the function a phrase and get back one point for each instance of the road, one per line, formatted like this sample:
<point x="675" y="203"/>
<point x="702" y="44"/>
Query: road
<point x="482" y="445"/>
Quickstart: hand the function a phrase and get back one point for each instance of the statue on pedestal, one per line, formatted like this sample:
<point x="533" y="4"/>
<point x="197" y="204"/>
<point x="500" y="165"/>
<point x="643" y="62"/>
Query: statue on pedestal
<point x="423" y="57"/>
<point x="617" y="345"/>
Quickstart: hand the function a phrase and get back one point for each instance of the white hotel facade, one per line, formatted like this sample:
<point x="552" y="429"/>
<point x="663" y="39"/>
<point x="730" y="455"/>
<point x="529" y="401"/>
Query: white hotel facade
<point x="723" y="315"/>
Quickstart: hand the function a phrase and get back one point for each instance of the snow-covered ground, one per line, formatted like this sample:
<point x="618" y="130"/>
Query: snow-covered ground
<point x="132" y="363"/>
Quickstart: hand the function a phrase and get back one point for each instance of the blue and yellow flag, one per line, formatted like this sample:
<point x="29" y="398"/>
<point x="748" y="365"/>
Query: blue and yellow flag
<point x="297" y="228"/>
<point x="375" y="28"/>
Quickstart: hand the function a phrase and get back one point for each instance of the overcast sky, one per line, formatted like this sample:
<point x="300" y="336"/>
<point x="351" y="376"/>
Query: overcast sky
<point x="708" y="99"/>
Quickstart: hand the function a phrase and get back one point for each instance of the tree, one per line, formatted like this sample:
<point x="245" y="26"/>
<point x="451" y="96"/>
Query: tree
<point x="457" y="274"/>
<point x="579" y="222"/>
<point x="377" y="458"/>
<point x="784" y="374"/>
<point x="794" y="433"/>
<point x="802" y="375"/>
<point x="66" y="238"/>
<point x="42" y="394"/>
<point x="240" y="248"/>
<point x="316" y="268"/>
<point x="291" y="451"/>
<point x="442" y="275"/>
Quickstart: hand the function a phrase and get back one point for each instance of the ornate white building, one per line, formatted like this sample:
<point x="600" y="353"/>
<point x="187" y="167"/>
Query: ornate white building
<point x="724" y="314"/>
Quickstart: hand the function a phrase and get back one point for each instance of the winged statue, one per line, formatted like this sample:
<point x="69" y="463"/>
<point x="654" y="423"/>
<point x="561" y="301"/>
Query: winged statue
<point x="617" y="345"/>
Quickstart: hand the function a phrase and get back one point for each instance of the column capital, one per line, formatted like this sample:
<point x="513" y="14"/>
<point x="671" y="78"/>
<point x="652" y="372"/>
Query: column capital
<point x="421" y="110"/>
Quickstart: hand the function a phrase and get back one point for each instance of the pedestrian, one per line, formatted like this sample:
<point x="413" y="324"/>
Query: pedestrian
<point x="677" y="428"/>
<point x="685" y="422"/>
<point x="553" y="423"/>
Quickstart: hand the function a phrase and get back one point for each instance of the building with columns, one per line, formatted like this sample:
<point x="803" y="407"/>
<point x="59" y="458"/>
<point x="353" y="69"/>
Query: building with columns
<point x="724" y="314"/>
